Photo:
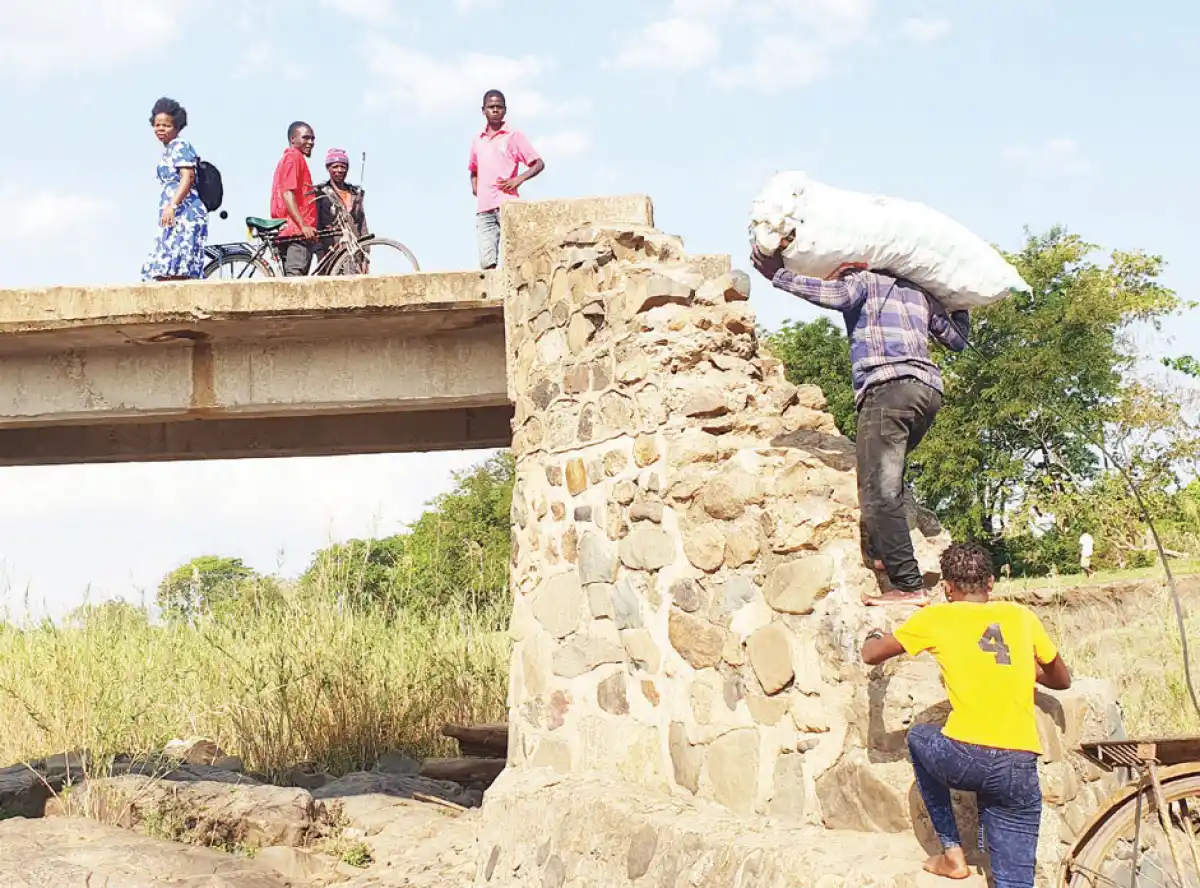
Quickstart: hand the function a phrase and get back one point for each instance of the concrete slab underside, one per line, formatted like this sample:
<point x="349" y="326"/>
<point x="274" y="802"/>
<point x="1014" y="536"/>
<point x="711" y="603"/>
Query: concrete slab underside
<point x="229" y="370"/>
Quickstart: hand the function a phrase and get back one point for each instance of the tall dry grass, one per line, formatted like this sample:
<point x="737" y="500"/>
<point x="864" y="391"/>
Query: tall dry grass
<point x="1144" y="658"/>
<point x="292" y="676"/>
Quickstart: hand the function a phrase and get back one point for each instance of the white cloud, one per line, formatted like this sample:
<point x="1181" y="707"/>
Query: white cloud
<point x="33" y="218"/>
<point x="1060" y="154"/>
<point x="373" y="12"/>
<point x="674" y="44"/>
<point x="567" y="143"/>
<point x="265" y="58"/>
<point x="438" y="86"/>
<point x="55" y="36"/>
<point x="473" y="5"/>
<point x="924" y="30"/>
<point x="766" y="45"/>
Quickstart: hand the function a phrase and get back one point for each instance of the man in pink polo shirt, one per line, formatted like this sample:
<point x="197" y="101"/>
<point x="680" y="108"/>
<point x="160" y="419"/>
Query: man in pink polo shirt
<point x="496" y="157"/>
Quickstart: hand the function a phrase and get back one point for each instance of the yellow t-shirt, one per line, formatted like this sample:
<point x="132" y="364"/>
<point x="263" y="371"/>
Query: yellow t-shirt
<point x="986" y="653"/>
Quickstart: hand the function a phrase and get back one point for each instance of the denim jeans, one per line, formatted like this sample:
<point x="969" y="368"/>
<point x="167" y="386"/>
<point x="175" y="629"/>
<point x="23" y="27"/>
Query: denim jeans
<point x="487" y="232"/>
<point x="1005" y="783"/>
<point x="892" y="420"/>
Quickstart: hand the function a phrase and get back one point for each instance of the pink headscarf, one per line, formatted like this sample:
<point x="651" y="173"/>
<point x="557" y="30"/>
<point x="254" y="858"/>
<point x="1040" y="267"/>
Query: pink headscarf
<point x="336" y="155"/>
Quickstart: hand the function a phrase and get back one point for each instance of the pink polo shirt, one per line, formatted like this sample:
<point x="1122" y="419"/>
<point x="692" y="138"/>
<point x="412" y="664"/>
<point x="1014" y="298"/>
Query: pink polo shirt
<point x="496" y="156"/>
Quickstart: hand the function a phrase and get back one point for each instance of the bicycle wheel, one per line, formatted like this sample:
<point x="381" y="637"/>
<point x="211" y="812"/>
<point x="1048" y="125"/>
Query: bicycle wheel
<point x="238" y="267"/>
<point x="384" y="257"/>
<point x="1136" y="836"/>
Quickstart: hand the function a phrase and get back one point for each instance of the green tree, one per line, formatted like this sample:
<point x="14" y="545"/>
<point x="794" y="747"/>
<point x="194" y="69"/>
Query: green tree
<point x="1025" y="407"/>
<point x="363" y="572"/>
<point x="456" y="554"/>
<point x="203" y="585"/>
<point x="818" y="353"/>
<point x="116" y="612"/>
<point x="1050" y="376"/>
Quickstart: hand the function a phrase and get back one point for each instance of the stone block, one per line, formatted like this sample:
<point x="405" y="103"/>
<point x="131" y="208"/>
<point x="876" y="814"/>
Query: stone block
<point x="855" y="796"/>
<point x="645" y="451"/>
<point x="600" y="602"/>
<point x="627" y="606"/>
<point x="686" y="759"/>
<point x="741" y="546"/>
<point x="698" y="641"/>
<point x="789" y="799"/>
<point x="577" y="480"/>
<point x="648" y="548"/>
<point x="692" y="446"/>
<point x="704" y="546"/>
<point x="770" y="653"/>
<point x="687" y="595"/>
<point x="583" y="654"/>
<point x="526" y="226"/>
<point x="732" y="767"/>
<point x="558" y="604"/>
<point x="639" y="645"/>
<point x="647" y="511"/>
<point x="610" y="695"/>
<point x="727" y="496"/>
<point x="597" y="559"/>
<point x="795" y="587"/>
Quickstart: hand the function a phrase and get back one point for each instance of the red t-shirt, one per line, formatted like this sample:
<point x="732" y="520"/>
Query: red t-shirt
<point x="293" y="175"/>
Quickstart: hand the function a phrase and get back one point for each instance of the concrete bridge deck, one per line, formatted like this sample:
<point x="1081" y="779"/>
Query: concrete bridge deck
<point x="201" y="370"/>
<point x="277" y="367"/>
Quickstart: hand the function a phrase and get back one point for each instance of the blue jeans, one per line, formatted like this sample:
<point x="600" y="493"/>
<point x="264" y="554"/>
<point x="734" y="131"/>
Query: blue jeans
<point x="1005" y="783"/>
<point x="487" y="232"/>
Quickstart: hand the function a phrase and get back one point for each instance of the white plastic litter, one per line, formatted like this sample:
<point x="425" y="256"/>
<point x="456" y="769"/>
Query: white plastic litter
<point x="832" y="227"/>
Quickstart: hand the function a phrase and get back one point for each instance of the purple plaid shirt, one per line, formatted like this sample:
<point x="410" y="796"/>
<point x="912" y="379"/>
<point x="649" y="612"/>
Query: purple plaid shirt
<point x="889" y="322"/>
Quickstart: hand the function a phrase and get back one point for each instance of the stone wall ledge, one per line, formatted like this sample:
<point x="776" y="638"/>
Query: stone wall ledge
<point x="593" y="831"/>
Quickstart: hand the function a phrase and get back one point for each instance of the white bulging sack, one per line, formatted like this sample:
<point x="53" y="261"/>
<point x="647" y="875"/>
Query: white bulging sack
<point x="831" y="227"/>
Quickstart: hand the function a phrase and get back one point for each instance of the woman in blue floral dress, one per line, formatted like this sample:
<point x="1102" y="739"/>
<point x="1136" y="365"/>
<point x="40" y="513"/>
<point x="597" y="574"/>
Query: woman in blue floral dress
<point x="179" y="251"/>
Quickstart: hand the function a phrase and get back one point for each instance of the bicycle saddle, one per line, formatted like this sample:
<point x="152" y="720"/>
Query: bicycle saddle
<point x="266" y="226"/>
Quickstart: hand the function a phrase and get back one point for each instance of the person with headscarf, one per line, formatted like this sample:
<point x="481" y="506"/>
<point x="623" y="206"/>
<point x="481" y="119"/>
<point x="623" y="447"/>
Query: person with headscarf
<point x="336" y="188"/>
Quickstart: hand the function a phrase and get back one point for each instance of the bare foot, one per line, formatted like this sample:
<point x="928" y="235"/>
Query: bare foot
<point x="950" y="865"/>
<point x="894" y="597"/>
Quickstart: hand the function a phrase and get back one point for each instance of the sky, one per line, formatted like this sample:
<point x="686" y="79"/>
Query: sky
<point x="1002" y="115"/>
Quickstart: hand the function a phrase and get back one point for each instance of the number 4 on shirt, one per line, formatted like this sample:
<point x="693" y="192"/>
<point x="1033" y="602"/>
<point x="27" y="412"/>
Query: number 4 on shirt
<point x="992" y="642"/>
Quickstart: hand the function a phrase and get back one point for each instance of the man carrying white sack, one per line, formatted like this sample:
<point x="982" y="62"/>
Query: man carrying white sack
<point x="897" y="390"/>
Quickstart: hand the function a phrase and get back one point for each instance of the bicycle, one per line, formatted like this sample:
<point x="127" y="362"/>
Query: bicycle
<point x="348" y="255"/>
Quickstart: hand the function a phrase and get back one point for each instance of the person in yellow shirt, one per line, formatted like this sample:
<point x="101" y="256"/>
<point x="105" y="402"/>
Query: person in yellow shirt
<point x="990" y="654"/>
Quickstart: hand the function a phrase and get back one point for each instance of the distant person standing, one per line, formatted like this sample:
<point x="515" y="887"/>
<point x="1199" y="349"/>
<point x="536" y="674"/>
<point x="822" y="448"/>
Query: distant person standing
<point x="497" y="154"/>
<point x="292" y="199"/>
<point x="183" y="220"/>
<point x="351" y="197"/>
<point x="1086" y="547"/>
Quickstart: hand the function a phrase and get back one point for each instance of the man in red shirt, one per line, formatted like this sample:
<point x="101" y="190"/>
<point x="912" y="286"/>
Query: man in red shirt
<point x="497" y="154"/>
<point x="292" y="199"/>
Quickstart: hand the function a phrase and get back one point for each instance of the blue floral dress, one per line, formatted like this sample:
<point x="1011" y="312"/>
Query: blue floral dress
<point x="179" y="250"/>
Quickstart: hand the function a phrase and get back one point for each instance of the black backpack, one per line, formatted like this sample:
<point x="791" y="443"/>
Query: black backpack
<point x="208" y="185"/>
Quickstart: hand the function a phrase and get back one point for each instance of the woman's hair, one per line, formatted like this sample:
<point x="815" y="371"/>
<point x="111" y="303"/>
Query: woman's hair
<point x="968" y="566"/>
<point x="170" y="106"/>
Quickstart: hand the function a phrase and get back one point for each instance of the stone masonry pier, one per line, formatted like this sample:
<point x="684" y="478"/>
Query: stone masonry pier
<point x="686" y="704"/>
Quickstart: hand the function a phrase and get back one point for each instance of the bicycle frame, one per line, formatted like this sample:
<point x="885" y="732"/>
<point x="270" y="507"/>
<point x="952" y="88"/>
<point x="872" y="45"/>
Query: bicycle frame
<point x="265" y="248"/>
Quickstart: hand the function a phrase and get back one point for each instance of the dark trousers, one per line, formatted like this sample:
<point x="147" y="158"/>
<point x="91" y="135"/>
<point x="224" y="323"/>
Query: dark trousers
<point x="892" y="420"/>
<point x="297" y="257"/>
<point x="1005" y="783"/>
